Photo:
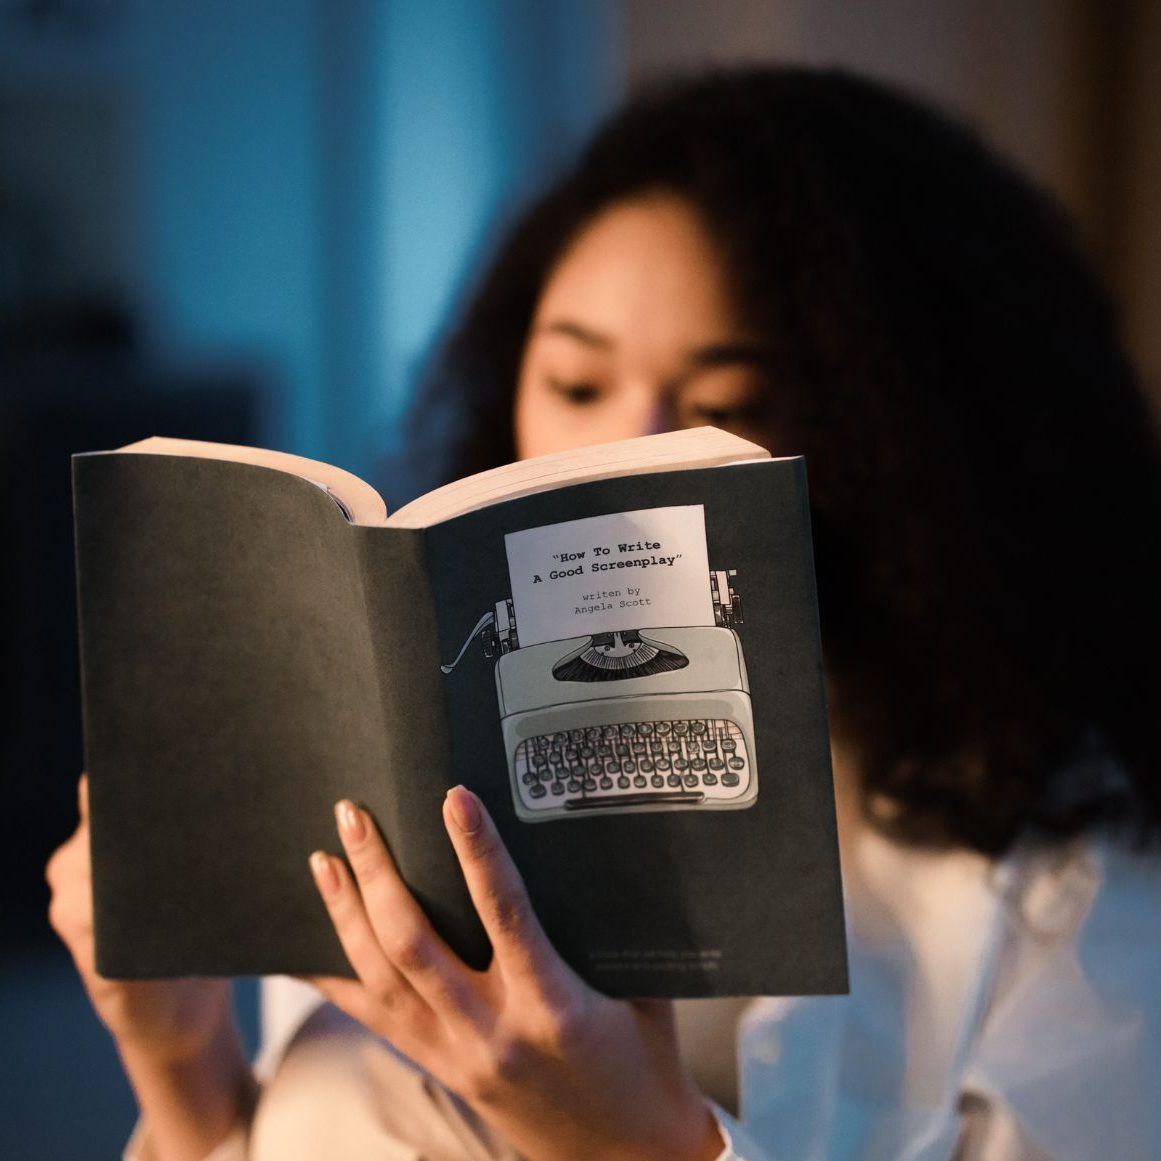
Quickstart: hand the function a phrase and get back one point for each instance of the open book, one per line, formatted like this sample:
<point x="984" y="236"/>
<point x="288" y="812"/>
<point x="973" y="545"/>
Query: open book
<point x="616" y="648"/>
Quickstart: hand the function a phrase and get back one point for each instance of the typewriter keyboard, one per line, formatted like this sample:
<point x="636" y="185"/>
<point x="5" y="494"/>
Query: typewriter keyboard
<point x="688" y="762"/>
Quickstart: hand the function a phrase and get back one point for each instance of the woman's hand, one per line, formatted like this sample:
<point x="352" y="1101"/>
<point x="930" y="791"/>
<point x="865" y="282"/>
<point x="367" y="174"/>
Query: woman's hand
<point x="560" y="1070"/>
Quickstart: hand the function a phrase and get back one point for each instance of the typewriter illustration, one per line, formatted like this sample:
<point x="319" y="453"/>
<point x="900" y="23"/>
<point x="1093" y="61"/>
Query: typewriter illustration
<point x="656" y="719"/>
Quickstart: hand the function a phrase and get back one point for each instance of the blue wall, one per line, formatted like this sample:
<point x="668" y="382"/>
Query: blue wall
<point x="302" y="183"/>
<point x="293" y="188"/>
<point x="224" y="119"/>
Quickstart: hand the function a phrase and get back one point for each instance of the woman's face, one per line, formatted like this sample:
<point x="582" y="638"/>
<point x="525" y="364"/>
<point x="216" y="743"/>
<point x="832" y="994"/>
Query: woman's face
<point x="635" y="333"/>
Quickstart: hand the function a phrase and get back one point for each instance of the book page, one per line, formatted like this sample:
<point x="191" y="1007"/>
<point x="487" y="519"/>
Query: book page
<point x="360" y="503"/>
<point x="699" y="447"/>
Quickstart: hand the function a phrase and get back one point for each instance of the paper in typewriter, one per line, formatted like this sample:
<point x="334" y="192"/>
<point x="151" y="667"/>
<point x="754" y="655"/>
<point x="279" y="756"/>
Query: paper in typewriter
<point x="633" y="685"/>
<point x="626" y="570"/>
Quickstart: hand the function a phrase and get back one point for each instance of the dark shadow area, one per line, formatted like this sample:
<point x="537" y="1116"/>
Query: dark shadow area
<point x="63" y="1096"/>
<point x="73" y="380"/>
<point x="67" y="388"/>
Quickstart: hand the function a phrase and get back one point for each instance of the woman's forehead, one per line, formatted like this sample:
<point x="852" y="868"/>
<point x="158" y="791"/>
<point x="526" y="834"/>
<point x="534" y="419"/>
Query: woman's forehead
<point x="644" y="268"/>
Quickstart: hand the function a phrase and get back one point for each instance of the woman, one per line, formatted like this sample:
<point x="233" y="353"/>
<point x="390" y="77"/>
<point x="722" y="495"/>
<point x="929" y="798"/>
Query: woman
<point x="831" y="270"/>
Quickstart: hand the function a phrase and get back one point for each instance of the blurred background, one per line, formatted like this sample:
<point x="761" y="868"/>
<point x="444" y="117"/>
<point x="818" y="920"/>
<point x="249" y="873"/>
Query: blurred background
<point x="249" y="220"/>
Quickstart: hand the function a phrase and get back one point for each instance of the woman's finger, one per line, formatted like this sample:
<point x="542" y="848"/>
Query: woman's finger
<point x="70" y="910"/>
<point x="497" y="890"/>
<point x="401" y="930"/>
<point x="353" y="927"/>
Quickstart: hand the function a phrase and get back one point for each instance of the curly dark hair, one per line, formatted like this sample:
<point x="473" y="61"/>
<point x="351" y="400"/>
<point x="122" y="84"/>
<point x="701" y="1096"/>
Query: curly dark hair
<point x="985" y="481"/>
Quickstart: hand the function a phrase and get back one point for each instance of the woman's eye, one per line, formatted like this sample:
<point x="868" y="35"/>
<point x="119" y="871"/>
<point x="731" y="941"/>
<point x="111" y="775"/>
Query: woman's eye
<point x="717" y="416"/>
<point x="577" y="394"/>
<point x="722" y="414"/>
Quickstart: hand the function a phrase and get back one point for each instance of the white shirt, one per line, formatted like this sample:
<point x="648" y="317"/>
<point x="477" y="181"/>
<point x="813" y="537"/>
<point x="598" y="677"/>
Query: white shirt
<point x="998" y="1012"/>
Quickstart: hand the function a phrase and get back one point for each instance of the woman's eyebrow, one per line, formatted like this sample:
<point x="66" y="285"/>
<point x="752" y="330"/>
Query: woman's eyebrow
<point x="575" y="330"/>
<point x="726" y="355"/>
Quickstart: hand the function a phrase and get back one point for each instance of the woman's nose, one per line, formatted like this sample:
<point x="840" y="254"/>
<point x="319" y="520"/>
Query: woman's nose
<point x="657" y="415"/>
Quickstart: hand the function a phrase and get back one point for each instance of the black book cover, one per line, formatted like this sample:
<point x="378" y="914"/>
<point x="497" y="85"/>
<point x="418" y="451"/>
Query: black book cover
<point x="640" y="705"/>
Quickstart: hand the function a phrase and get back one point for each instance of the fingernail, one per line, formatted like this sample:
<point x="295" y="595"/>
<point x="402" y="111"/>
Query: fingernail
<point x="324" y="873"/>
<point x="350" y="819"/>
<point x="465" y="809"/>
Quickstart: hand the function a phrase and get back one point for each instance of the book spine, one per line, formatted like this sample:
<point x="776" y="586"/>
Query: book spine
<point x="417" y="773"/>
